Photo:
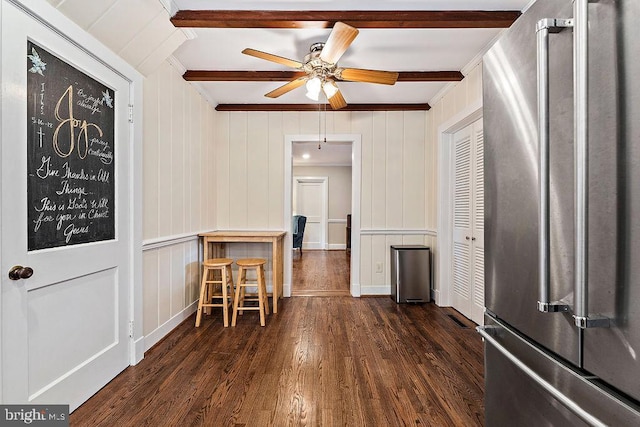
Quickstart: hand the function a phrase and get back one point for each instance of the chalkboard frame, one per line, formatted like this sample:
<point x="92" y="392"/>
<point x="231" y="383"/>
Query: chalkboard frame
<point x="71" y="160"/>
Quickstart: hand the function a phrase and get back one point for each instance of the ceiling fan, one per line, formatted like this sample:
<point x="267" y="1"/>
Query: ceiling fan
<point x="321" y="68"/>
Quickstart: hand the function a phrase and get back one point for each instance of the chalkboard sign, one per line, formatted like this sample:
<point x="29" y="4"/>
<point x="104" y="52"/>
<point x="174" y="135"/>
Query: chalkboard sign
<point x="70" y="154"/>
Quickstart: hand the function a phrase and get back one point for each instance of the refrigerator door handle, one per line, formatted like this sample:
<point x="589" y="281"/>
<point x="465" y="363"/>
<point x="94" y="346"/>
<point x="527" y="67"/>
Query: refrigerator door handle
<point x="581" y="158"/>
<point x="486" y="331"/>
<point x="543" y="29"/>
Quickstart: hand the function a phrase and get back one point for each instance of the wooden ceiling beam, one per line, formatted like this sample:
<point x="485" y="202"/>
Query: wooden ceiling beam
<point x="314" y="107"/>
<point x="281" y="76"/>
<point x="241" y="76"/>
<point x="356" y="18"/>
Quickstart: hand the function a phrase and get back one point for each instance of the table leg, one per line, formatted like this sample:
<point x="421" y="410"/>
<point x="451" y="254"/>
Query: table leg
<point x="218" y="250"/>
<point x="205" y="249"/>
<point x="277" y="272"/>
<point x="281" y="269"/>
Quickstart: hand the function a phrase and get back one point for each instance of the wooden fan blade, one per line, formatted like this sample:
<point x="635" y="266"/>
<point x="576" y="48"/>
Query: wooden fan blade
<point x="337" y="101"/>
<point x="368" y="76"/>
<point x="339" y="40"/>
<point x="287" y="87"/>
<point x="273" y="58"/>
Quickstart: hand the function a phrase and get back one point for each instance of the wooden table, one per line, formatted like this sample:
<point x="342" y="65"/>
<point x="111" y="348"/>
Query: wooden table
<point x="213" y="247"/>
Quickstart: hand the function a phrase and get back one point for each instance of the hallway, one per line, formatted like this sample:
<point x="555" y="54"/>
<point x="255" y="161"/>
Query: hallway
<point x="320" y="273"/>
<point x="320" y="361"/>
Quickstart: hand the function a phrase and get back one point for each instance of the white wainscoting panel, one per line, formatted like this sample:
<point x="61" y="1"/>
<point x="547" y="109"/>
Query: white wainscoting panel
<point x="171" y="285"/>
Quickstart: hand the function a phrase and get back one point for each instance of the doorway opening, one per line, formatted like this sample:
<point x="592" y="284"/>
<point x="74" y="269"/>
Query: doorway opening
<point x="327" y="192"/>
<point x="321" y="273"/>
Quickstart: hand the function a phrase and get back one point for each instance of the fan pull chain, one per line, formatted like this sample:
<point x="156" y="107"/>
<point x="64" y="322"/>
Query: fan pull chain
<point x="319" y="127"/>
<point x="325" y="122"/>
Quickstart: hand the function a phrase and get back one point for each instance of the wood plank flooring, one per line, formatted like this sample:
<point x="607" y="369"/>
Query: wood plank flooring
<point x="323" y="273"/>
<point x="320" y="361"/>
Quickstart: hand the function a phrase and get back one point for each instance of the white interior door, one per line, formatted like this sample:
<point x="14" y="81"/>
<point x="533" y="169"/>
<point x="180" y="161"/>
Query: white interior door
<point x="468" y="222"/>
<point x="311" y="200"/>
<point x="477" y="234"/>
<point x="462" y="175"/>
<point x="65" y="330"/>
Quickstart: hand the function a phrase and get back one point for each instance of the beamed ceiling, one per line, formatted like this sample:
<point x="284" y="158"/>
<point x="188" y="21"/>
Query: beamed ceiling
<point x="428" y="46"/>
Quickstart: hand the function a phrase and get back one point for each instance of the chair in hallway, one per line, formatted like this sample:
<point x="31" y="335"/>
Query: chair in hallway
<point x="299" y="222"/>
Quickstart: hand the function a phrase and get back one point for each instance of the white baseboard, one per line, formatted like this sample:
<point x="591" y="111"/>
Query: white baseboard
<point x="375" y="290"/>
<point x="437" y="298"/>
<point x="154" y="337"/>
<point x="286" y="290"/>
<point x="337" y="246"/>
<point x="355" y="290"/>
<point x="137" y="353"/>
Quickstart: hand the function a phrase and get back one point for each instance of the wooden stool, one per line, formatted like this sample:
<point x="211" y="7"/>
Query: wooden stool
<point x="209" y="283"/>
<point x="261" y="297"/>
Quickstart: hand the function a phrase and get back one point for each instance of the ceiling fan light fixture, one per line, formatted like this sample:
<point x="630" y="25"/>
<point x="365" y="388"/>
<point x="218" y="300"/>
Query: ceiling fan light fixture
<point x="314" y="96"/>
<point x="320" y="71"/>
<point x="313" y="88"/>
<point x="329" y="88"/>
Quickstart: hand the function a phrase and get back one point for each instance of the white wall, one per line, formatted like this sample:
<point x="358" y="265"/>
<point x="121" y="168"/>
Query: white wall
<point x="339" y="199"/>
<point x="179" y="197"/>
<point x="250" y="177"/>
<point x="139" y="31"/>
<point x="394" y="192"/>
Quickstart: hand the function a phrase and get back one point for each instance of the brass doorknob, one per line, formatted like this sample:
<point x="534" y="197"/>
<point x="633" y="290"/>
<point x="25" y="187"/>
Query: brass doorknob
<point x="18" y="272"/>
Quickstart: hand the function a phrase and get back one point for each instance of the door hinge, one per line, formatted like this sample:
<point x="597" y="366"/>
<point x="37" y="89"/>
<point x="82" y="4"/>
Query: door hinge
<point x="131" y="329"/>
<point x="130" y="113"/>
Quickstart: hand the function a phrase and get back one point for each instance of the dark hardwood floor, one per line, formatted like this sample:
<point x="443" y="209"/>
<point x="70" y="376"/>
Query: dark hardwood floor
<point x="320" y="273"/>
<point x="320" y="361"/>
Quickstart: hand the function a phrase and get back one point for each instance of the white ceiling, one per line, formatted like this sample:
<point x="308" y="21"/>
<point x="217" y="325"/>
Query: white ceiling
<point x="384" y="49"/>
<point x="329" y="154"/>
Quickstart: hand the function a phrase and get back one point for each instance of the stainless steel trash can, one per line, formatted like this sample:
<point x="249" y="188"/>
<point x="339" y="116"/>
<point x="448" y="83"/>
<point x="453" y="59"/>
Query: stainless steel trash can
<point x="410" y="273"/>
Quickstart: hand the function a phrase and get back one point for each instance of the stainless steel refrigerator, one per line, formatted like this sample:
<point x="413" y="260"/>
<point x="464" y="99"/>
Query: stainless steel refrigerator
<point x="562" y="216"/>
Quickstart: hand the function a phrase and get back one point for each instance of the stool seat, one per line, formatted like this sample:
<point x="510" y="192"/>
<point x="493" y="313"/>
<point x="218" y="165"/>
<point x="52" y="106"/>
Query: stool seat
<point x="217" y="262"/>
<point x="208" y="289"/>
<point x="260" y="297"/>
<point x="251" y="262"/>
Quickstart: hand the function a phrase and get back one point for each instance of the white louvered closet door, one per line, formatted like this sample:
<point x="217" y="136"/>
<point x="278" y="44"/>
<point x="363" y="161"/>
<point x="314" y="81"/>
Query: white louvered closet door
<point x="477" y="239"/>
<point x="468" y="222"/>
<point x="462" y="221"/>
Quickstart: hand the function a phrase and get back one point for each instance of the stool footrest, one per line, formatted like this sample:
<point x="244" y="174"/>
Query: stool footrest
<point x="219" y="304"/>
